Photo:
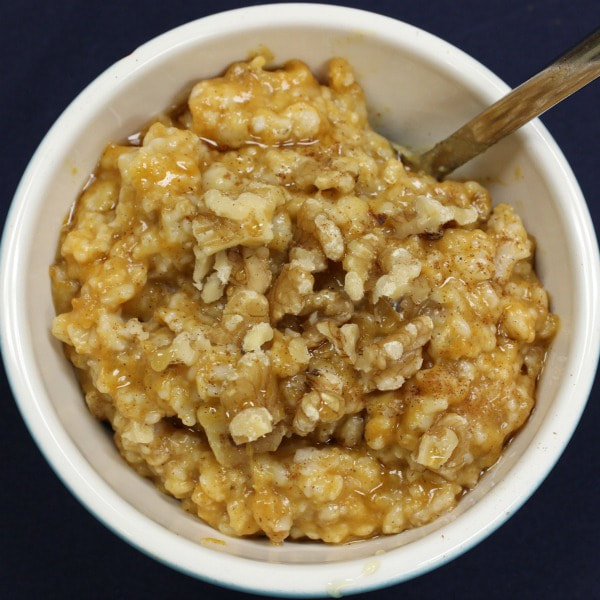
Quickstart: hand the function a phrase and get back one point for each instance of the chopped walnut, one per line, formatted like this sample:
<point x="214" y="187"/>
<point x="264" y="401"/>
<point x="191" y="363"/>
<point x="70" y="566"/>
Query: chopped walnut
<point x="329" y="304"/>
<point x="315" y="407"/>
<point x="258" y="335"/>
<point x="256" y="267"/>
<point x="400" y="268"/>
<point x="313" y="218"/>
<point x="388" y="362"/>
<point x="250" y="424"/>
<point x="214" y="286"/>
<point x="343" y="338"/>
<point x="514" y="243"/>
<point x="250" y="384"/>
<point x="358" y="262"/>
<point x="442" y="441"/>
<point x="244" y="309"/>
<point x="290" y="291"/>
<point x="289" y="354"/>
<point x="245" y="220"/>
<point x="430" y="215"/>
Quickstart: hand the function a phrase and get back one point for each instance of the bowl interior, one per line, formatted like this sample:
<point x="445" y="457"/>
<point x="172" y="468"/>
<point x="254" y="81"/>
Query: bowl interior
<point x="416" y="96"/>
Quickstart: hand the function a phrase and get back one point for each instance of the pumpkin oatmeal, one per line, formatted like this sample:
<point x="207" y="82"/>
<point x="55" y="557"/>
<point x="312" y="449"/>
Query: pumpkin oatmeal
<point x="288" y="330"/>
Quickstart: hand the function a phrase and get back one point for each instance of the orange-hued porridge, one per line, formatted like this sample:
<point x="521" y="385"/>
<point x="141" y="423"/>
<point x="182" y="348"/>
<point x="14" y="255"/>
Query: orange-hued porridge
<point x="287" y="329"/>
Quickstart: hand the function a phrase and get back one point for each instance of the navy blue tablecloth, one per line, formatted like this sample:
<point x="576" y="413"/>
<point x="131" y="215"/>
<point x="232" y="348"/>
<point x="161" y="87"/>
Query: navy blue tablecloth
<point x="50" y="546"/>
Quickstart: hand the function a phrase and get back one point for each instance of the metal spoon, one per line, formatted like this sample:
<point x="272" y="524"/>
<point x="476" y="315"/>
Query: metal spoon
<point x="569" y="73"/>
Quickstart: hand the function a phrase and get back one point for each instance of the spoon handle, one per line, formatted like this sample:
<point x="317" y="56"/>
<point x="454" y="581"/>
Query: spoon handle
<point x="569" y="73"/>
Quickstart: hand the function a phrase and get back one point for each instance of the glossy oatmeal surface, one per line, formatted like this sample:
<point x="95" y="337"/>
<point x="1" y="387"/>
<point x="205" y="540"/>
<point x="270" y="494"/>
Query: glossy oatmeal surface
<point x="288" y="330"/>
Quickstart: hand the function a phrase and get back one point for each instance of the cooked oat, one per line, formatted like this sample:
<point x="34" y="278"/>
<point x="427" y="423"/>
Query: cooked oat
<point x="288" y="330"/>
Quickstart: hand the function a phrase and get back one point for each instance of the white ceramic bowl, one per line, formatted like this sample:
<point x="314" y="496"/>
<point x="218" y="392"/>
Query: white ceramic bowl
<point x="421" y="88"/>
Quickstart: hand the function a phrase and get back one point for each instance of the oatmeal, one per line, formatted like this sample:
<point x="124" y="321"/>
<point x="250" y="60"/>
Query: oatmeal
<point x="289" y="331"/>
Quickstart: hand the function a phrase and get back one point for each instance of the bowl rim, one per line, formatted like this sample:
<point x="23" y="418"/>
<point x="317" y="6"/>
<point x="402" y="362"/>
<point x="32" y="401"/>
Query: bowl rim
<point x="293" y="580"/>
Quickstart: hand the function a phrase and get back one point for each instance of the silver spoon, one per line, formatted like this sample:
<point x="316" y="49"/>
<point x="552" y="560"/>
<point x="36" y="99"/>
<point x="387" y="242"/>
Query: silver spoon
<point x="569" y="73"/>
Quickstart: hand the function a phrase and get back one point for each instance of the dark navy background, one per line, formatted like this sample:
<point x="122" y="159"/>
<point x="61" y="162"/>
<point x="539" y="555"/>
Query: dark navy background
<point x="50" y="547"/>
